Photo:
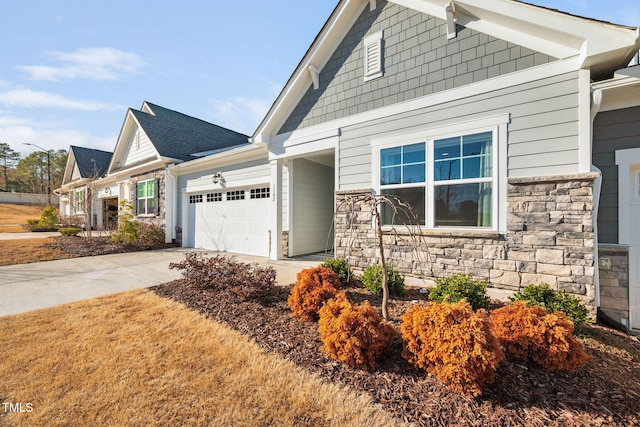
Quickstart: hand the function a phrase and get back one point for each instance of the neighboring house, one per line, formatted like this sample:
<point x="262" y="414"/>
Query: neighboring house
<point x="152" y="139"/>
<point x="616" y="152"/>
<point x="85" y="166"/>
<point x="477" y="112"/>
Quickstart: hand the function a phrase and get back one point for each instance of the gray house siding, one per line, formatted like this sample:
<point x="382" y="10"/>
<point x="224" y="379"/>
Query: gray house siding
<point x="613" y="130"/>
<point x="543" y="133"/>
<point x="418" y="60"/>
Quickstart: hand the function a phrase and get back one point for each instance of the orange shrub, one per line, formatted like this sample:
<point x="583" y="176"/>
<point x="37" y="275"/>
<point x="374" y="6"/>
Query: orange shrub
<point x="533" y="334"/>
<point x="354" y="334"/>
<point x="315" y="286"/>
<point x="452" y="342"/>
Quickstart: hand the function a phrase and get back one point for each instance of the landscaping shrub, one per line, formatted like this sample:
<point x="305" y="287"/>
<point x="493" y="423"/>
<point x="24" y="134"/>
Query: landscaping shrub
<point x="70" y="231"/>
<point x="452" y="342"/>
<point x="340" y="266"/>
<point x="354" y="334"/>
<point x="552" y="300"/>
<point x="533" y="334"/>
<point x="372" y="280"/>
<point x="150" y="234"/>
<point x="127" y="227"/>
<point x="225" y="273"/>
<point x="48" y="220"/>
<point x="462" y="286"/>
<point x="314" y="287"/>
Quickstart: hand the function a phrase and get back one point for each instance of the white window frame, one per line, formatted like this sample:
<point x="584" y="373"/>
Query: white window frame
<point x="373" y="50"/>
<point x="498" y="125"/>
<point x="79" y="202"/>
<point x="155" y="189"/>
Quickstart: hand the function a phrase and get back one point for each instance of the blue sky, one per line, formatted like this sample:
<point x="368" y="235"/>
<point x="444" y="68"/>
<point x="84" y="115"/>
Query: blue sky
<point x="71" y="69"/>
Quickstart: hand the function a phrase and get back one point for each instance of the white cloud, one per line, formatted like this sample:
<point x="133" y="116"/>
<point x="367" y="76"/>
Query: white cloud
<point x="34" y="99"/>
<point x="50" y="138"/>
<point x="96" y="63"/>
<point x="241" y="114"/>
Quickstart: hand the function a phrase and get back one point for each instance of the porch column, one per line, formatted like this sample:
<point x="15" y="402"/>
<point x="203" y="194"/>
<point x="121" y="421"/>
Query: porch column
<point x="276" y="210"/>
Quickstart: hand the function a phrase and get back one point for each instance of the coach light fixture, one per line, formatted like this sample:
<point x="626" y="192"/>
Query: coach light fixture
<point x="217" y="177"/>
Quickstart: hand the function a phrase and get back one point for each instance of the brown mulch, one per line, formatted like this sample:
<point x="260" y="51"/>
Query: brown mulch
<point x="77" y="246"/>
<point x="605" y="392"/>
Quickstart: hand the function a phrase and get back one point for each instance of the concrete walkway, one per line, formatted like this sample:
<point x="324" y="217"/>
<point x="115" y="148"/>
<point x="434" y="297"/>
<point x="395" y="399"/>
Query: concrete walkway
<point x="31" y="235"/>
<point x="26" y="287"/>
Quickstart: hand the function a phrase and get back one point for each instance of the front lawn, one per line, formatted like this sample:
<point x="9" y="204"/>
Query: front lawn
<point x="136" y="359"/>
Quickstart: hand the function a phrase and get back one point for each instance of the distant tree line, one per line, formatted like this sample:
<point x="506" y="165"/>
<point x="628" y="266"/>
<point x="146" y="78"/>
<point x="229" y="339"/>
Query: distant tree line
<point x="30" y="174"/>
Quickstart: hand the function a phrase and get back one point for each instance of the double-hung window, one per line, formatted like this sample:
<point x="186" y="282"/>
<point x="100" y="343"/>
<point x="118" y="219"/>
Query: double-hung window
<point x="463" y="180"/>
<point x="402" y="174"/>
<point x="449" y="181"/>
<point x="146" y="204"/>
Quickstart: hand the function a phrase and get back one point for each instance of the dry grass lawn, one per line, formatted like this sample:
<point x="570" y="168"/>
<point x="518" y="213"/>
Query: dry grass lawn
<point x="137" y="359"/>
<point x="22" y="251"/>
<point x="13" y="216"/>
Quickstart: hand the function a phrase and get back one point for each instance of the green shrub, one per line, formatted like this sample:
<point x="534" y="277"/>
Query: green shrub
<point x="462" y="286"/>
<point x="372" y="280"/>
<point x="339" y="266"/>
<point x="551" y="300"/>
<point x="127" y="228"/>
<point x="48" y="217"/>
<point x="48" y="220"/>
<point x="70" y="231"/>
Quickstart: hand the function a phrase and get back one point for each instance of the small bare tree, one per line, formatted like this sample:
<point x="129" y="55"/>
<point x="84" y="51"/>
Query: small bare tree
<point x="401" y="214"/>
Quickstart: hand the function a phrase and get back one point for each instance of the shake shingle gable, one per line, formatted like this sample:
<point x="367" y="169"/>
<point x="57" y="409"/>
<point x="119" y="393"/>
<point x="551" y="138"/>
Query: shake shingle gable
<point x="178" y="136"/>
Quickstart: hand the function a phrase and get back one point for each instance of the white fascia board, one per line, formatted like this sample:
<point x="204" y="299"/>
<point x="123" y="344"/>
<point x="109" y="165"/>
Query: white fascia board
<point x="318" y="56"/>
<point x="513" y="79"/>
<point x="126" y="173"/>
<point x="237" y="155"/>
<point x="622" y="91"/>
<point x="122" y="140"/>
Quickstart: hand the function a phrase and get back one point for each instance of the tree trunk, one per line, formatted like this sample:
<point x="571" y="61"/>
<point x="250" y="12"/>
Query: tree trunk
<point x="385" y="287"/>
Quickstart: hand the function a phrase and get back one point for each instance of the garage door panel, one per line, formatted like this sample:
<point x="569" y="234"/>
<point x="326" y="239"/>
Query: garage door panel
<point x="240" y="226"/>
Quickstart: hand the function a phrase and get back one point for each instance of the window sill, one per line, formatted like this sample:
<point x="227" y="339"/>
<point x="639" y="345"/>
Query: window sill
<point x="479" y="234"/>
<point x="146" y="216"/>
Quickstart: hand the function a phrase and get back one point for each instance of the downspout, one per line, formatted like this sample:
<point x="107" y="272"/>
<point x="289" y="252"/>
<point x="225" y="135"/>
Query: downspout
<point x="171" y="204"/>
<point x="596" y="104"/>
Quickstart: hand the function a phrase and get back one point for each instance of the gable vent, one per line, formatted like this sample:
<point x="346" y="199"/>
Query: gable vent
<point x="373" y="56"/>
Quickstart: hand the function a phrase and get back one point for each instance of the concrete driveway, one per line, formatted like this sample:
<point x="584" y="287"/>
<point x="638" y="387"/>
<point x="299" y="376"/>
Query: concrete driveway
<point x="26" y="287"/>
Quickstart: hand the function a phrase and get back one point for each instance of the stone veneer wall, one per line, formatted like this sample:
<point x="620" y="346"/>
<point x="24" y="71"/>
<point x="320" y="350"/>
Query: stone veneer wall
<point x="614" y="281"/>
<point x="549" y="239"/>
<point x="157" y="174"/>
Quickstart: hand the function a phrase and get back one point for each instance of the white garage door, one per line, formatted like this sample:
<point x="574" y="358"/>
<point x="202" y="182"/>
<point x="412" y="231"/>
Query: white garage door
<point x="231" y="221"/>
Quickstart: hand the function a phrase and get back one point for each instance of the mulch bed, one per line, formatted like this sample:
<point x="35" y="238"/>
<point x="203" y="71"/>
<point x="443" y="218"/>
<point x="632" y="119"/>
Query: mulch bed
<point x="77" y="246"/>
<point x="605" y="392"/>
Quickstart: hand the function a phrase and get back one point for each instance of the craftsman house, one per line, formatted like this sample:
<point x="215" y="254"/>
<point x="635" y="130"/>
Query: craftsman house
<point x="477" y="112"/>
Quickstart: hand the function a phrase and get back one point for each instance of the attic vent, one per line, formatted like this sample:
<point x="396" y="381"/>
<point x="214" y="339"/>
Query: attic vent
<point x="373" y="56"/>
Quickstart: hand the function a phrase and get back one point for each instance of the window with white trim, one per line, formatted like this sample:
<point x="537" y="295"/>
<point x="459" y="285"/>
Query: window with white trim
<point x="260" y="193"/>
<point x="373" y="56"/>
<point x="214" y="197"/>
<point x="450" y="181"/>
<point x="79" y="201"/>
<point x="146" y="197"/>
<point x="235" y="195"/>
<point x="195" y="198"/>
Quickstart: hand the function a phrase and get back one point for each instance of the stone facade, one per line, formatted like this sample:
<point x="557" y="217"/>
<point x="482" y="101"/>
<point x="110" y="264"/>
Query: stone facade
<point x="549" y="239"/>
<point x="614" y="282"/>
<point x="159" y="175"/>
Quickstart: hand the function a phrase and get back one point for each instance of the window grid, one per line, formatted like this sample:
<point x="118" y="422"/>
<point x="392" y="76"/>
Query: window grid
<point x="260" y="193"/>
<point x="214" y="197"/>
<point x="146" y="197"/>
<point x="235" y="195"/>
<point x="195" y="198"/>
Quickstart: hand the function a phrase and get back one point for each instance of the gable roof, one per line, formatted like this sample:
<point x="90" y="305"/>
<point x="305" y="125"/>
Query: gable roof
<point x="601" y="46"/>
<point x="86" y="158"/>
<point x="178" y="136"/>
